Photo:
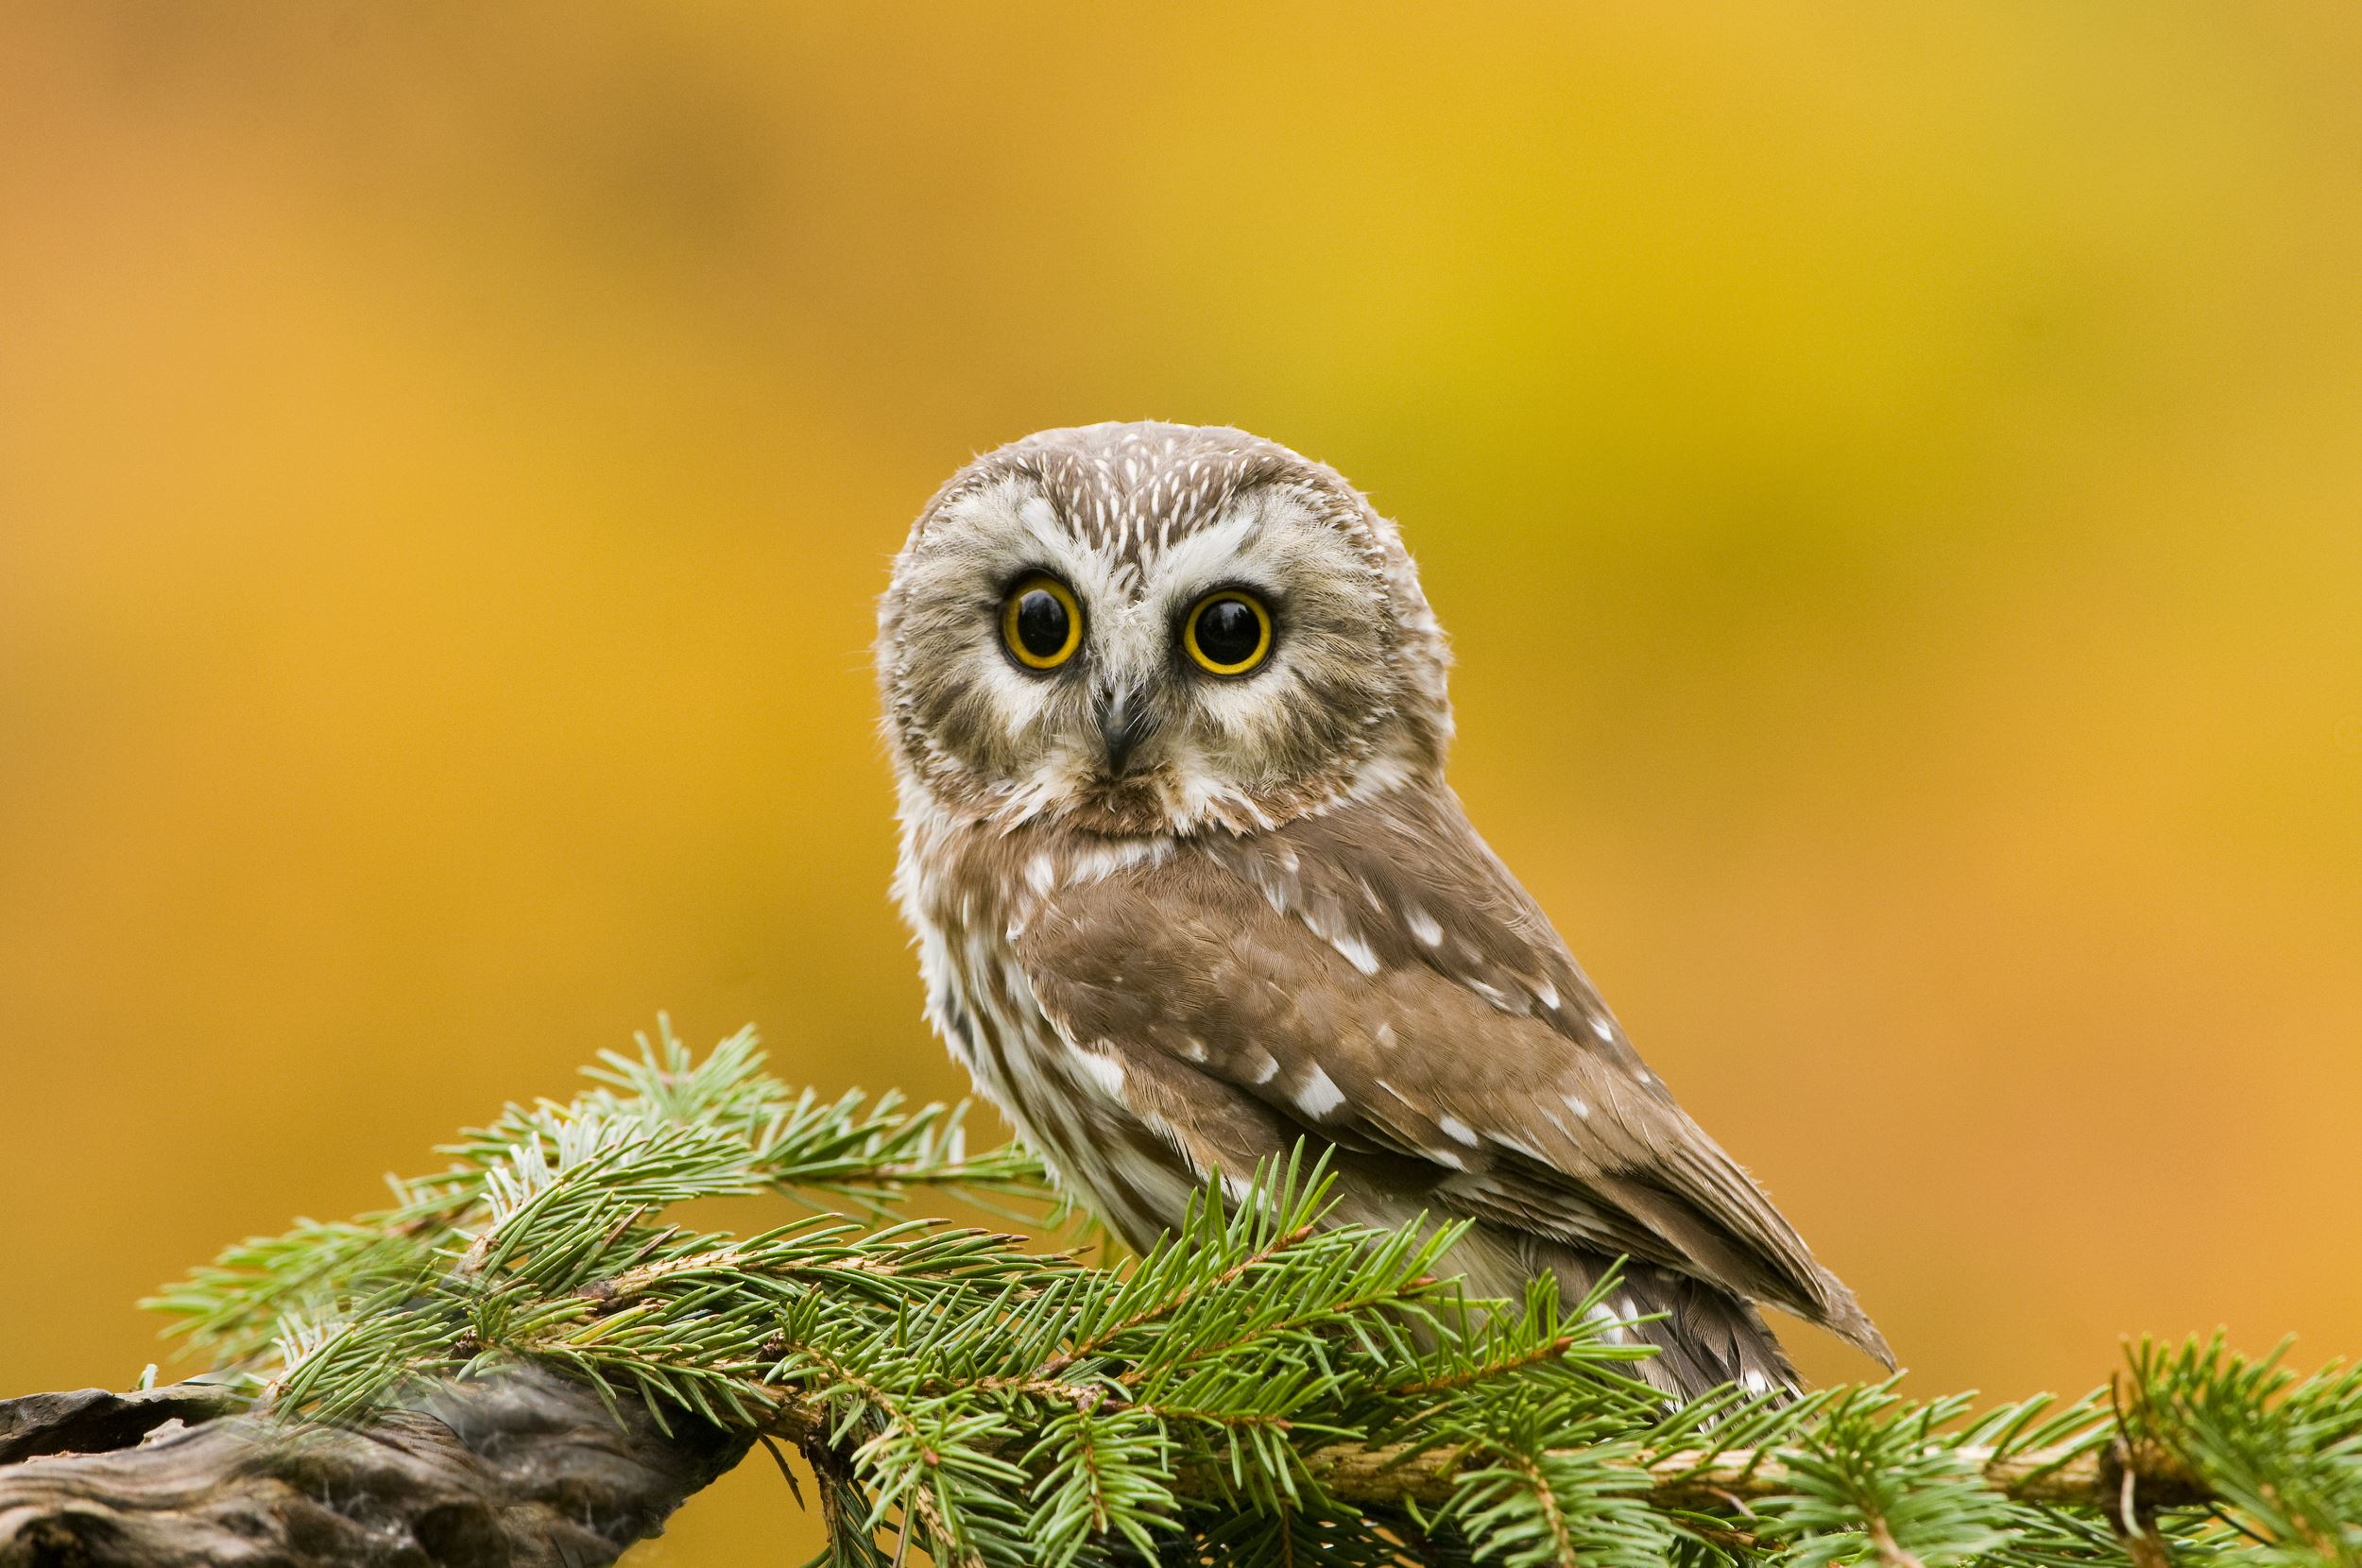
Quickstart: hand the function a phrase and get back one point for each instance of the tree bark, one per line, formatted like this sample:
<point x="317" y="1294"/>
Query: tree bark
<point x="518" y="1470"/>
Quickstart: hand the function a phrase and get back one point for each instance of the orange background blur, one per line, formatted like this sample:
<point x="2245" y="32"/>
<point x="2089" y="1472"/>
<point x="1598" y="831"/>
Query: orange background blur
<point x="1894" y="475"/>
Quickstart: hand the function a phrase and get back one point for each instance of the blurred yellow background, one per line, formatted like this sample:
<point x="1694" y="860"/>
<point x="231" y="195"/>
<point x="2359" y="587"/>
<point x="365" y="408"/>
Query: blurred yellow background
<point x="1894" y="474"/>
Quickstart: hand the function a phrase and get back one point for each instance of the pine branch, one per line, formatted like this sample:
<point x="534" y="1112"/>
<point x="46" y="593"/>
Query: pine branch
<point x="2075" y="1475"/>
<point x="527" y="1333"/>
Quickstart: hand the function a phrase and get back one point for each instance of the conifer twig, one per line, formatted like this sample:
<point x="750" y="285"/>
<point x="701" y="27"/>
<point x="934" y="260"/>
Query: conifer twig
<point x="529" y="1359"/>
<point x="1709" y="1480"/>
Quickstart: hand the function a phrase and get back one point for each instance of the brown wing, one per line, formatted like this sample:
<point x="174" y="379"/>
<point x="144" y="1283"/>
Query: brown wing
<point x="1375" y="977"/>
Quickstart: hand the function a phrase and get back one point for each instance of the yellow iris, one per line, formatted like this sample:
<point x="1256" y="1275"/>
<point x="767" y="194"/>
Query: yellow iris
<point x="1040" y="622"/>
<point x="1228" y="633"/>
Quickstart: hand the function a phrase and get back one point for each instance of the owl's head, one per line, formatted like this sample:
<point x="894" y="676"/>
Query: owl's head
<point x="1153" y="629"/>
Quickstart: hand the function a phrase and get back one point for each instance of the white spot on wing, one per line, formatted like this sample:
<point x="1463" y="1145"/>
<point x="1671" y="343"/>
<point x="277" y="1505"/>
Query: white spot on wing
<point x="1102" y="1070"/>
<point x="1423" y="925"/>
<point x="1458" y="1130"/>
<point x="1603" y="1029"/>
<point x="1356" y="951"/>
<point x="1319" y="1095"/>
<point x="1614" y="1332"/>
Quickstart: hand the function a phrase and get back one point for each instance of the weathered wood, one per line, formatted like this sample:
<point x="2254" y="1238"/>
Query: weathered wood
<point x="518" y="1470"/>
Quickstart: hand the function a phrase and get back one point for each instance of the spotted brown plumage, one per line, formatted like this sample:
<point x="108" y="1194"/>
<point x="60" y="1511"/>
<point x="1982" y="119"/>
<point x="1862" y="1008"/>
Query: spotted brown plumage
<point x="1174" y="919"/>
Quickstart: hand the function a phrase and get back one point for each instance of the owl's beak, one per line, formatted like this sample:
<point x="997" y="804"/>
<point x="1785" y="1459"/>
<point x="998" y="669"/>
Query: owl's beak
<point x="1125" y="720"/>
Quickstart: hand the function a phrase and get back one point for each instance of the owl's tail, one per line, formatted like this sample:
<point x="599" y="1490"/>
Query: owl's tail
<point x="1703" y="1337"/>
<point x="1706" y="1338"/>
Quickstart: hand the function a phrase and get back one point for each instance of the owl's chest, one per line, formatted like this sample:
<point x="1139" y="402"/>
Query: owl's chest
<point x="980" y="999"/>
<point x="969" y="912"/>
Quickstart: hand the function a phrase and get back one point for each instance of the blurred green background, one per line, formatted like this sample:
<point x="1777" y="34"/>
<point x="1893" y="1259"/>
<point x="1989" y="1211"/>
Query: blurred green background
<point x="1894" y="474"/>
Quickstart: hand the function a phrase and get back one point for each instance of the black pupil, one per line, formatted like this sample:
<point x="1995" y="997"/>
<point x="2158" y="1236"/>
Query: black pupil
<point x="1042" y="623"/>
<point x="1228" y="631"/>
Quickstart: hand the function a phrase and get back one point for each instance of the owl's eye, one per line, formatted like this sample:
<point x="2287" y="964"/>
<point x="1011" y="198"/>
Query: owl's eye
<point x="1228" y="633"/>
<point x="1040" y="622"/>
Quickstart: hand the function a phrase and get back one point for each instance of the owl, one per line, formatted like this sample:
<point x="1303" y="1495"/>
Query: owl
<point x="1168" y="717"/>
